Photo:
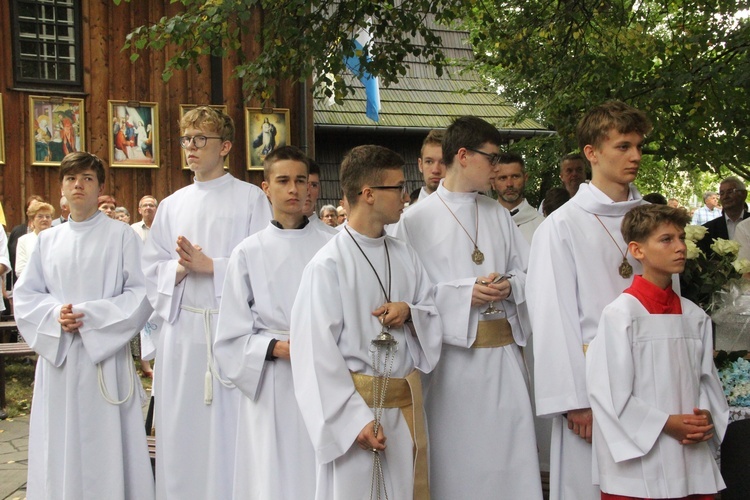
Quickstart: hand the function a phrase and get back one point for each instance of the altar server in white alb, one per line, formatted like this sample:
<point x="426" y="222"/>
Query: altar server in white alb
<point x="274" y="458"/>
<point x="361" y="283"/>
<point x="477" y="400"/>
<point x="578" y="265"/>
<point x="77" y="304"/>
<point x="659" y="409"/>
<point x="185" y="261"/>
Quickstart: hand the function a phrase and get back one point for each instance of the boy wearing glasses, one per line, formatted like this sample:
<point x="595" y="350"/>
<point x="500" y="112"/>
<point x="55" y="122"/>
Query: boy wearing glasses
<point x="477" y="399"/>
<point x="185" y="261"/>
<point x="361" y="283"/>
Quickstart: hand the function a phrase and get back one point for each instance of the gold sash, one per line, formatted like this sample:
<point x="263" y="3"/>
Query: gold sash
<point x="406" y="394"/>
<point x="493" y="333"/>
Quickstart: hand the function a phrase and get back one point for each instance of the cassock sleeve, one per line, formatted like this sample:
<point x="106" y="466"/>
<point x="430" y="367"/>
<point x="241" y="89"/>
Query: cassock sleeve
<point x="110" y="322"/>
<point x="630" y="426"/>
<point x="426" y="346"/>
<point x="552" y="296"/>
<point x="160" y="268"/>
<point x="712" y="396"/>
<point x="239" y="350"/>
<point x="37" y="312"/>
<point x="333" y="411"/>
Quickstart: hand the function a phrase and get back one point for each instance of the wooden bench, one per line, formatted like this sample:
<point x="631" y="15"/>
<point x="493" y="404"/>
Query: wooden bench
<point x="10" y="349"/>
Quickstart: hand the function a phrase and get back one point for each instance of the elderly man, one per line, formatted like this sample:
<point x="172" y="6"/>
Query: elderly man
<point x="64" y="212"/>
<point x="572" y="174"/>
<point x="709" y="211"/>
<point x="732" y="193"/>
<point x="147" y="211"/>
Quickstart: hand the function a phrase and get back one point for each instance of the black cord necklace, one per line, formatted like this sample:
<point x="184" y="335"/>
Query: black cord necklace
<point x="388" y="259"/>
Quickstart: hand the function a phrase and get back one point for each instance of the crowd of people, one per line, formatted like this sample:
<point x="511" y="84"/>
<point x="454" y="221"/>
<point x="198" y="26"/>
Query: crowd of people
<point x="440" y="345"/>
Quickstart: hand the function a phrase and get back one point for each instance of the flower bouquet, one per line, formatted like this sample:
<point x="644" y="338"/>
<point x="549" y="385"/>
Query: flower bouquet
<point x="704" y="276"/>
<point x="735" y="378"/>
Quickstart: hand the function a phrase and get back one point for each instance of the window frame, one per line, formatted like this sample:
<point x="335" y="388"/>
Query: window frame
<point x="49" y="82"/>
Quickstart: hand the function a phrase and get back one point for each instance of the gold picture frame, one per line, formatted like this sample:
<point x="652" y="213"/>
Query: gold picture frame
<point x="184" y="108"/>
<point x="57" y="127"/>
<point x="133" y="134"/>
<point x="2" y="132"/>
<point x="265" y="129"/>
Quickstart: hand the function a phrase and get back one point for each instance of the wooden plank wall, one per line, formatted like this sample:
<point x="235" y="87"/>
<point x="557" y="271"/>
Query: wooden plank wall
<point x="109" y="75"/>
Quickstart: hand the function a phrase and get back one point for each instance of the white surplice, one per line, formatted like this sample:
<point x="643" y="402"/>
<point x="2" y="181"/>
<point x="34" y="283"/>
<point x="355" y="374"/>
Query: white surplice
<point x="573" y="275"/>
<point x="477" y="401"/>
<point x="527" y="219"/>
<point x="641" y="368"/>
<point x="195" y="440"/>
<point x="274" y="457"/>
<point x="80" y="445"/>
<point x="315" y="221"/>
<point x="331" y="330"/>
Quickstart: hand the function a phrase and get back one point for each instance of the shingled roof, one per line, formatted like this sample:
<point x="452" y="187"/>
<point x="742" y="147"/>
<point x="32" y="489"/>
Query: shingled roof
<point x="421" y="100"/>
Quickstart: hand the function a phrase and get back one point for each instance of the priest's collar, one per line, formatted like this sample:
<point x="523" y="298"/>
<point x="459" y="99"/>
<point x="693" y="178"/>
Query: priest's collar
<point x="305" y="221"/>
<point x="593" y="200"/>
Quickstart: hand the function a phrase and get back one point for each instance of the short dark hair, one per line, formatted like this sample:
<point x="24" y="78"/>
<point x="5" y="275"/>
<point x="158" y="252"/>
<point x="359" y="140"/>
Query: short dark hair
<point x="597" y="122"/>
<point x="366" y="165"/>
<point x="284" y="153"/>
<point x="655" y="198"/>
<point x="468" y="132"/>
<point x="554" y="199"/>
<point x="80" y="161"/>
<point x="641" y="221"/>
<point x="314" y="168"/>
<point x="512" y="157"/>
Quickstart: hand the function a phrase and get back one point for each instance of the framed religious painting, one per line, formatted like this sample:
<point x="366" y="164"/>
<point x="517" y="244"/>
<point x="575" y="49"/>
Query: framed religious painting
<point x="184" y="108"/>
<point x="266" y="129"/>
<point x="133" y="134"/>
<point x="2" y="133"/>
<point x="56" y="128"/>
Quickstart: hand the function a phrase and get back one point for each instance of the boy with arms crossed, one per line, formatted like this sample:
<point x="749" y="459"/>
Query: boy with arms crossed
<point x="577" y="266"/>
<point x="185" y="261"/>
<point x="360" y="283"/>
<point x="659" y="409"/>
<point x="274" y="458"/>
<point x="77" y="303"/>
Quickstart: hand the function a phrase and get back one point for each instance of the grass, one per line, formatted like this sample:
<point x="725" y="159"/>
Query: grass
<point x="19" y="385"/>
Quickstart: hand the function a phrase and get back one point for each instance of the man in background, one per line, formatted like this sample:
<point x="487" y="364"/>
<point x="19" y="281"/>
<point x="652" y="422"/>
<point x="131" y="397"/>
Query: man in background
<point x="709" y="211"/>
<point x="64" y="212"/>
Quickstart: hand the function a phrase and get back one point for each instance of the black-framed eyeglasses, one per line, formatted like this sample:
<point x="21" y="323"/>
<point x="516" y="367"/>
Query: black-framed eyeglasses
<point x="198" y="141"/>
<point x="494" y="158"/>
<point x="401" y="187"/>
<point x="731" y="191"/>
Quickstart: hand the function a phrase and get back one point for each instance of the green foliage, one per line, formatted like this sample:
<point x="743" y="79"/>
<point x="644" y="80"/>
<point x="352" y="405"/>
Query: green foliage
<point x="684" y="62"/>
<point x="298" y="39"/>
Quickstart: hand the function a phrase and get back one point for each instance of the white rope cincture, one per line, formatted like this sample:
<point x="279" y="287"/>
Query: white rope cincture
<point x="211" y="371"/>
<point x="103" y="386"/>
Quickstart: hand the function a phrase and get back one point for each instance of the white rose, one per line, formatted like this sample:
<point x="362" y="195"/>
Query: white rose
<point x="742" y="266"/>
<point x="695" y="233"/>
<point x="725" y="247"/>
<point x="692" y="250"/>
